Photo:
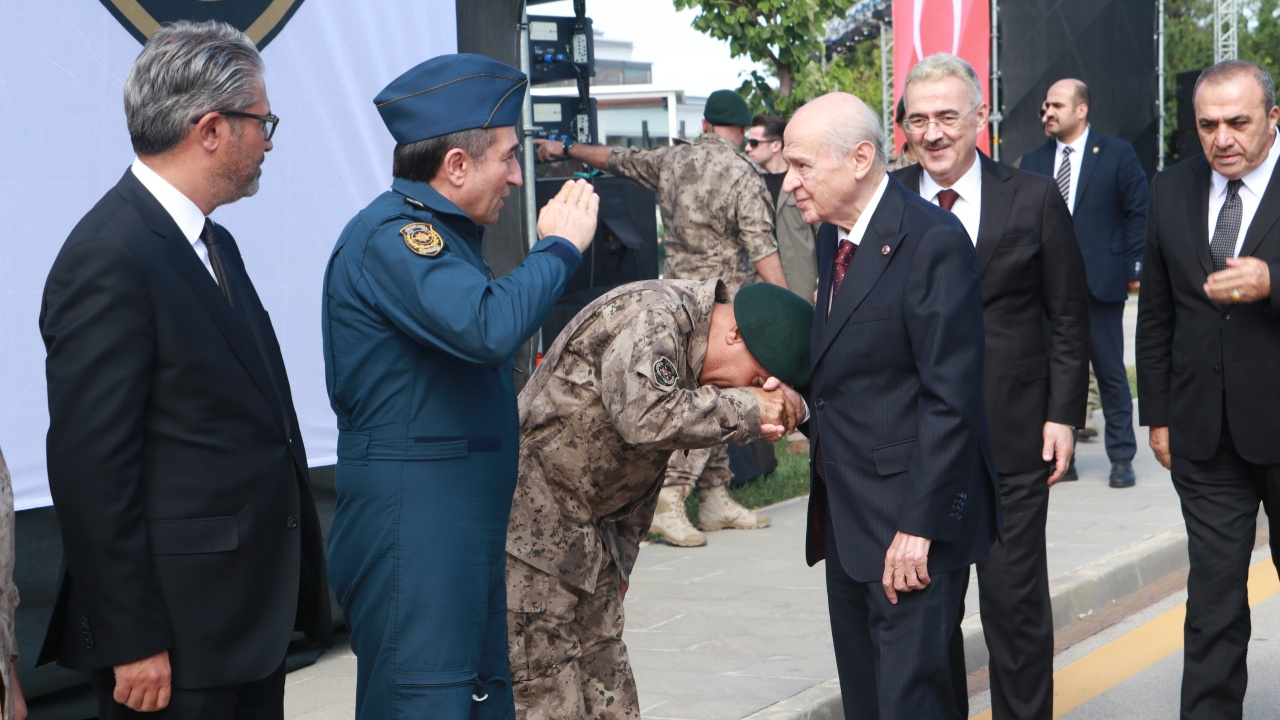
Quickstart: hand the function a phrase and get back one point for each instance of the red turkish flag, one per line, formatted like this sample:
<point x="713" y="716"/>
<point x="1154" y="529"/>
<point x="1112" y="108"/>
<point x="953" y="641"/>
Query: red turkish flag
<point x="924" y="27"/>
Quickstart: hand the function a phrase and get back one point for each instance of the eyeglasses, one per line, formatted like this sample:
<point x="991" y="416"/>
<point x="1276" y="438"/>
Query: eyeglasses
<point x="752" y="142"/>
<point x="269" y="122"/>
<point x="918" y="125"/>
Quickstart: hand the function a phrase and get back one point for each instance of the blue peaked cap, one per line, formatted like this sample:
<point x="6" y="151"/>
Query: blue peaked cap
<point x="451" y="93"/>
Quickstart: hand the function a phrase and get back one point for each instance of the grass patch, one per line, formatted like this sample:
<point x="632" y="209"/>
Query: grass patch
<point x="1133" y="380"/>
<point x="789" y="480"/>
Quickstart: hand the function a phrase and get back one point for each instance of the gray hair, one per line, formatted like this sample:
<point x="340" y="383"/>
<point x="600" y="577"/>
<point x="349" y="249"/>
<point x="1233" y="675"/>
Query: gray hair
<point x="1228" y="69"/>
<point x="186" y="70"/>
<point x="422" y="160"/>
<point x="857" y="126"/>
<point x="941" y="66"/>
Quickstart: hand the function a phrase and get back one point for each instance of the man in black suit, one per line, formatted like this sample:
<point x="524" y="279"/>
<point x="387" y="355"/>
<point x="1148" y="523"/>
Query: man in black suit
<point x="1106" y="191"/>
<point x="192" y="545"/>
<point x="1036" y="369"/>
<point x="903" y="498"/>
<point x="1207" y="344"/>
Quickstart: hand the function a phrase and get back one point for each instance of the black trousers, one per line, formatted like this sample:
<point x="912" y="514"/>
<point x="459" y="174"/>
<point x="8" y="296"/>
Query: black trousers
<point x="259" y="700"/>
<point x="1106" y="351"/>
<point x="892" y="659"/>
<point x="1220" y="499"/>
<point x="1017" y="615"/>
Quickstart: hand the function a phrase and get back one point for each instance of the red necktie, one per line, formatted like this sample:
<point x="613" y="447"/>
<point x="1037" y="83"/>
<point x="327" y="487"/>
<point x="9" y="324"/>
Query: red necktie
<point x="947" y="198"/>
<point x="843" y="256"/>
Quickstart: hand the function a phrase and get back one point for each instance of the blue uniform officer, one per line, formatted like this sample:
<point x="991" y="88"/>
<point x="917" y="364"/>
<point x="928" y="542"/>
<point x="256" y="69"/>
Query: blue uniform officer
<point x="419" y="340"/>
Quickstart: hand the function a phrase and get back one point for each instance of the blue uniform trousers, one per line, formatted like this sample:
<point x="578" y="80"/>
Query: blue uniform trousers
<point x="416" y="556"/>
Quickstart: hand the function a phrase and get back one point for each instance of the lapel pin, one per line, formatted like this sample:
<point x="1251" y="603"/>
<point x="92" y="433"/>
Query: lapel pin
<point x="884" y="250"/>
<point x="1095" y="150"/>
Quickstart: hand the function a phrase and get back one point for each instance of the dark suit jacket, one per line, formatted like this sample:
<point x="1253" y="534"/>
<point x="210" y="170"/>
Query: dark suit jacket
<point x="1110" y="213"/>
<point x="1032" y="278"/>
<point x="177" y="471"/>
<point x="1193" y="352"/>
<point x="895" y="396"/>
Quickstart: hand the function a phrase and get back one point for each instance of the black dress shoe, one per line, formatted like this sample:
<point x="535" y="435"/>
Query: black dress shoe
<point x="1071" y="473"/>
<point x="1122" y="475"/>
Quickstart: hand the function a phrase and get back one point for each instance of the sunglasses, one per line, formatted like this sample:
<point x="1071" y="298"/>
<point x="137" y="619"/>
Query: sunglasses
<point x="753" y="142"/>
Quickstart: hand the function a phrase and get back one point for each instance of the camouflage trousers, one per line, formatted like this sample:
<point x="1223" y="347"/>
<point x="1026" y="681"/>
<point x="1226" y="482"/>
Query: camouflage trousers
<point x="567" y="655"/>
<point x="705" y="468"/>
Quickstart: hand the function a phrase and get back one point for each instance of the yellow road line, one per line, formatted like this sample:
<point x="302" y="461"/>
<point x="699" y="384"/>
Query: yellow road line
<point x="1136" y="650"/>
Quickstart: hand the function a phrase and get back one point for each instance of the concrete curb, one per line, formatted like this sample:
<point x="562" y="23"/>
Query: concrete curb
<point x="1074" y="596"/>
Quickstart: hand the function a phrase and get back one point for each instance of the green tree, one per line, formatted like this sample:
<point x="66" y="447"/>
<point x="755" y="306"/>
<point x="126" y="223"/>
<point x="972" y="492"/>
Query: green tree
<point x="786" y="37"/>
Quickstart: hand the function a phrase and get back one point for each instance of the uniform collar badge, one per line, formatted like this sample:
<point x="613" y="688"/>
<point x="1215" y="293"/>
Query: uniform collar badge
<point x="422" y="239"/>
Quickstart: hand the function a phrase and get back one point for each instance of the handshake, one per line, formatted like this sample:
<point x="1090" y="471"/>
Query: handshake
<point x="781" y="409"/>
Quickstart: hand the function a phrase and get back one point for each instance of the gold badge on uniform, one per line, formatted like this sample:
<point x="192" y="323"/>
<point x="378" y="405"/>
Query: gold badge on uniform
<point x="664" y="372"/>
<point x="422" y="239"/>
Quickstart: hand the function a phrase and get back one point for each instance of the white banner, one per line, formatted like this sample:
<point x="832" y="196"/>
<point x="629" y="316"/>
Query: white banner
<point x="62" y="70"/>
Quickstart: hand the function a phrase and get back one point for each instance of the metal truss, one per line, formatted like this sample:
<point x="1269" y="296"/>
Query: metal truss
<point x="1226" y="45"/>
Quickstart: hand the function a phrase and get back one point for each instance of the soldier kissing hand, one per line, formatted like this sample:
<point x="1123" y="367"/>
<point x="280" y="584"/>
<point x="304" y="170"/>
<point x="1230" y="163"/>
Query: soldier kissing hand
<point x="777" y="416"/>
<point x="571" y="214"/>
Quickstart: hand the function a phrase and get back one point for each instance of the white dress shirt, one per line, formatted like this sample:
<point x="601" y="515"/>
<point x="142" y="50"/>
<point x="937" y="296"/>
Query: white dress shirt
<point x="855" y="233"/>
<point x="1255" y="184"/>
<point x="184" y="212"/>
<point x="1077" y="161"/>
<point x="968" y="207"/>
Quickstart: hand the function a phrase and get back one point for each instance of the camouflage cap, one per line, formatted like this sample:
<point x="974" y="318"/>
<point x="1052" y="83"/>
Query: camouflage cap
<point x="774" y="323"/>
<point x="726" y="107"/>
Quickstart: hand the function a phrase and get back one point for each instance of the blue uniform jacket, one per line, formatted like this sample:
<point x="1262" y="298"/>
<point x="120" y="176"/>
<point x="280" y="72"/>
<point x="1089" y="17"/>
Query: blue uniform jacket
<point x="419" y="351"/>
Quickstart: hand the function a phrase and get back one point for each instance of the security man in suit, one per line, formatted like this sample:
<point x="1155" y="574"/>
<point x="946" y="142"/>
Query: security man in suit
<point x="1105" y="189"/>
<point x="419" y="341"/>
<point x="192" y="544"/>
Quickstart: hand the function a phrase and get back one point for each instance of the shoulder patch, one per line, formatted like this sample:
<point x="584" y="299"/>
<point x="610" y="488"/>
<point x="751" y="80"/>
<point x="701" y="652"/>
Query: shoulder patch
<point x="422" y="239"/>
<point x="664" y="372"/>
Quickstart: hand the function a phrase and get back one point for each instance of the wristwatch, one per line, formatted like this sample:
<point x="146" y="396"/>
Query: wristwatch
<point x="568" y="143"/>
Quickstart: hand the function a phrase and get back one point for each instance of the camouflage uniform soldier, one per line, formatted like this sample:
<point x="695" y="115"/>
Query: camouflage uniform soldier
<point x="718" y="218"/>
<point x="648" y="368"/>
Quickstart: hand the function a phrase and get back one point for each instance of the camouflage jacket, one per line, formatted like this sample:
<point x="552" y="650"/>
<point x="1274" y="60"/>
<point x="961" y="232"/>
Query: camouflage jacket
<point x="716" y="210"/>
<point x="8" y="591"/>
<point x="614" y="396"/>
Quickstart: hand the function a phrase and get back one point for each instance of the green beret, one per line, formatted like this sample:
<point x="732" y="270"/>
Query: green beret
<point x="774" y="323"/>
<point x="726" y="107"/>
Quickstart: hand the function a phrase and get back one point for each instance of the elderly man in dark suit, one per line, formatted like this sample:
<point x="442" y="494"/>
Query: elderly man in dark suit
<point x="904" y="484"/>
<point x="1036" y="372"/>
<point x="178" y="475"/>
<point x="1207" y="344"/>
<point x="1106" y="191"/>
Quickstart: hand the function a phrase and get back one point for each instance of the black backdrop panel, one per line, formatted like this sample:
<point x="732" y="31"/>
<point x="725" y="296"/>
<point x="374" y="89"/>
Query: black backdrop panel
<point x="625" y="248"/>
<point x="1109" y="44"/>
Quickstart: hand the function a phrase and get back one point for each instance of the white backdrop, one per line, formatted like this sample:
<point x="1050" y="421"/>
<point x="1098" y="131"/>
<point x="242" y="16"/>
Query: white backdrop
<point x="63" y="143"/>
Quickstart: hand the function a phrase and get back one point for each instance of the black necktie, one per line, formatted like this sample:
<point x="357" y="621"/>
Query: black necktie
<point x="226" y="281"/>
<point x="1227" y="231"/>
<point x="1064" y="175"/>
<point x="218" y="261"/>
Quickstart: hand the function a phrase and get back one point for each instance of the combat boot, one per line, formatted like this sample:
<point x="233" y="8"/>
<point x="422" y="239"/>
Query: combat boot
<point x="718" y="511"/>
<point x="671" y="523"/>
